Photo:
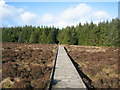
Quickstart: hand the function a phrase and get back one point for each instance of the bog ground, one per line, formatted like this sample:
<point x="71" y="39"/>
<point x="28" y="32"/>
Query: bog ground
<point x="30" y="65"/>
<point x="25" y="66"/>
<point x="97" y="65"/>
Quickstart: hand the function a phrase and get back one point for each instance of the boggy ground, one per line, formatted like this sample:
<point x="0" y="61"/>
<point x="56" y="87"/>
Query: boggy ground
<point x="26" y="65"/>
<point x="97" y="65"/>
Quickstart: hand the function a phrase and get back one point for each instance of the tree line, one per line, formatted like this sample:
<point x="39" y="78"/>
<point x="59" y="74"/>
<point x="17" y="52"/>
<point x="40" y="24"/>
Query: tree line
<point x="103" y="34"/>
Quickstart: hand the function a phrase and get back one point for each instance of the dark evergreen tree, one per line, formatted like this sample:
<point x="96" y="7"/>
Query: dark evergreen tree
<point x="103" y="34"/>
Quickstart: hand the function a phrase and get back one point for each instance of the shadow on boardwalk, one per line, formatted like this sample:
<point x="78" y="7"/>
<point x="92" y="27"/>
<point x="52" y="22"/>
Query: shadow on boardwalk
<point x="85" y="78"/>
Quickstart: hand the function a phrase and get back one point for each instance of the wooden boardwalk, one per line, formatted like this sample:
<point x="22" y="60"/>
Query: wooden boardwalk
<point x="66" y="75"/>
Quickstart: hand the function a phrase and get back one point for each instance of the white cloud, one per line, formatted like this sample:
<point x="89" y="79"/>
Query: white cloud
<point x="47" y="17"/>
<point x="81" y="13"/>
<point x="79" y="10"/>
<point x="28" y="18"/>
<point x="71" y="16"/>
<point x="62" y="24"/>
<point x="2" y="2"/>
<point x="9" y="13"/>
<point x="100" y="15"/>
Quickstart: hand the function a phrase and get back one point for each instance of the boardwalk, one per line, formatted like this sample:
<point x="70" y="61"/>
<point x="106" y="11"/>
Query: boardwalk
<point x="66" y="75"/>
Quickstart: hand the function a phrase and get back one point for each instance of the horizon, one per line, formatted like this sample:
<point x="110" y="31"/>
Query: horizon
<point x="44" y="26"/>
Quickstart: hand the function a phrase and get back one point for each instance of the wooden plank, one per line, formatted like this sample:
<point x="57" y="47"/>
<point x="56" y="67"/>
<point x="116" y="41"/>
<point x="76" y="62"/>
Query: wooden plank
<point x="66" y="75"/>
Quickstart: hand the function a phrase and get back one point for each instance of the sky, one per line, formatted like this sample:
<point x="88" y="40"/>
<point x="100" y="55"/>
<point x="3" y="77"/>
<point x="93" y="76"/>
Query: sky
<point x="58" y="14"/>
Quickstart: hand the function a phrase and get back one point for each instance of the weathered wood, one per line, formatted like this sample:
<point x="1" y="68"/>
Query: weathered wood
<point x="66" y="75"/>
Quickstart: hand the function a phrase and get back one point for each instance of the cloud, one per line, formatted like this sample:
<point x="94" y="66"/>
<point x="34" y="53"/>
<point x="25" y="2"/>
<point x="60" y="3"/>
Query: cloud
<point x="47" y="17"/>
<point x="2" y="2"/>
<point x="9" y="11"/>
<point x="62" y="24"/>
<point x="81" y="13"/>
<point x="79" y="10"/>
<point x="100" y="15"/>
<point x="9" y="14"/>
<point x="70" y="16"/>
<point x="28" y="18"/>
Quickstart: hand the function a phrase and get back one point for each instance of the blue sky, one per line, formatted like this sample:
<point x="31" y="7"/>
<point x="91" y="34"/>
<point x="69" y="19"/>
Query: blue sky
<point x="59" y="14"/>
<point x="57" y="7"/>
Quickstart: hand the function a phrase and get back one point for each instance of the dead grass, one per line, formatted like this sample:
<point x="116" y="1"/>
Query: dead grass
<point x="100" y="64"/>
<point x="27" y="65"/>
